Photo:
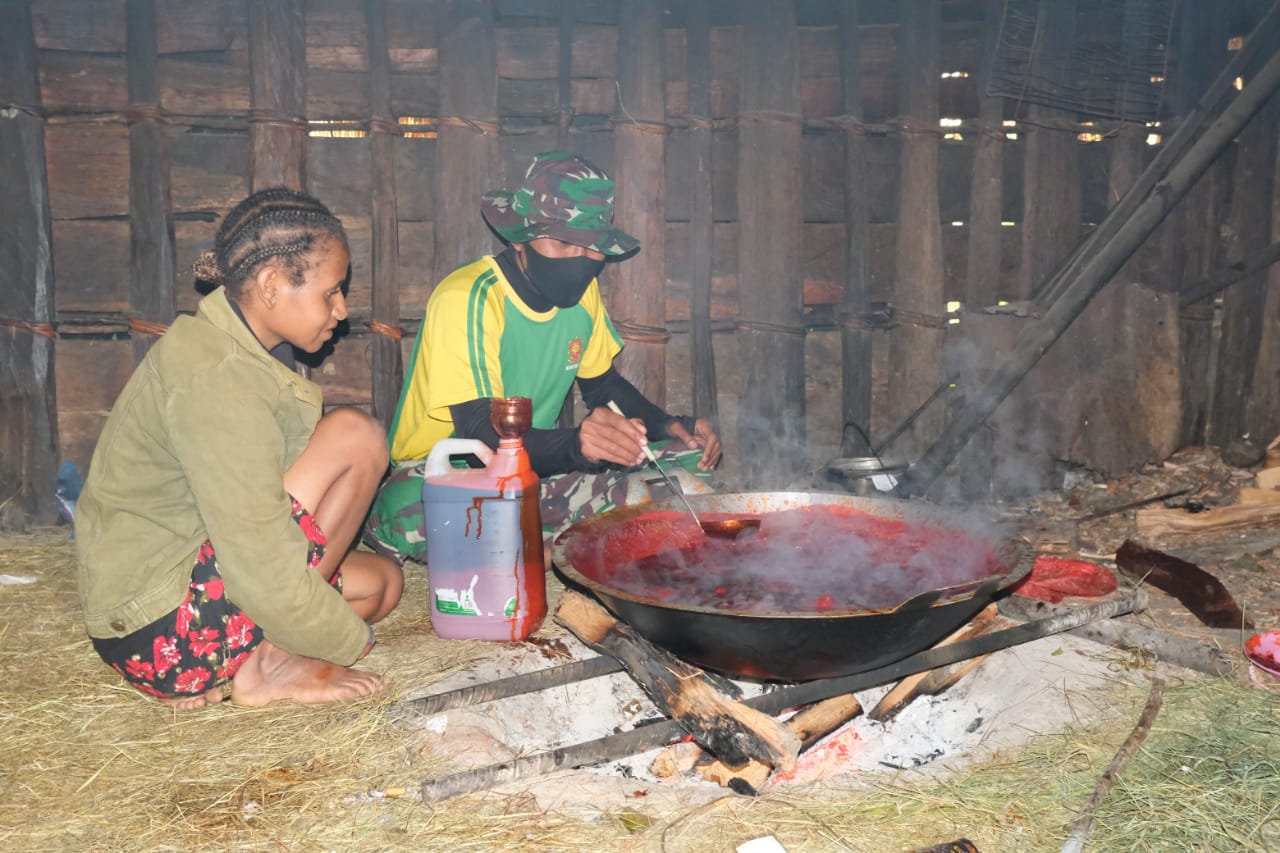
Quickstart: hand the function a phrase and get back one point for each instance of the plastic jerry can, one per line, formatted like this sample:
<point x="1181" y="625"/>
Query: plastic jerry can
<point x="484" y="534"/>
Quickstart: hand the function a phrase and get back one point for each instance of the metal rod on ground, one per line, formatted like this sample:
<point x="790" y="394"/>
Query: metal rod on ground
<point x="1094" y="273"/>
<point x="617" y="746"/>
<point x="514" y="685"/>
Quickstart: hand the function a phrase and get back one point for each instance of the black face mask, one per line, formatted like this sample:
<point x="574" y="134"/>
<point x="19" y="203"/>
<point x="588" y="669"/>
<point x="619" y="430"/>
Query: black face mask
<point x="561" y="281"/>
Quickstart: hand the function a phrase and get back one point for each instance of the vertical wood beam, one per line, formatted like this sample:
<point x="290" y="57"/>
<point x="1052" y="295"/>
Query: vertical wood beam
<point x="771" y="418"/>
<point x="977" y="333"/>
<point x="915" y="350"/>
<point x="1202" y="53"/>
<point x="1262" y="413"/>
<point x="388" y="370"/>
<point x="564" y="120"/>
<point x="855" y="339"/>
<point x="1050" y="230"/>
<point x="151" y="241"/>
<point x="28" y="399"/>
<point x="1243" y="305"/>
<point x="986" y="197"/>
<point x="701" y="216"/>
<point x="277" y="94"/>
<point x="636" y="294"/>
<point x="467" y="164"/>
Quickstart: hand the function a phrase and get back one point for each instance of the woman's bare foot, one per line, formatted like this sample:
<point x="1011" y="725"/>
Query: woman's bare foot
<point x="271" y="674"/>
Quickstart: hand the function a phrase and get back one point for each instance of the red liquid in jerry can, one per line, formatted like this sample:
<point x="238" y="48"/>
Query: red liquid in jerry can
<point x="484" y="535"/>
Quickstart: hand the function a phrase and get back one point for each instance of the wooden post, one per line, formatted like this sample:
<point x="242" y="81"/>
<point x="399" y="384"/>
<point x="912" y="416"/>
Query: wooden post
<point x="467" y="149"/>
<point x="1126" y="347"/>
<point x="277" y="94"/>
<point x="1050" y="230"/>
<point x="771" y="418"/>
<point x="151" y="243"/>
<point x="1202" y="52"/>
<point x="986" y="198"/>
<point x="388" y="370"/>
<point x="915" y="347"/>
<point x="983" y="262"/>
<point x="1262" y="413"/>
<point x="564" y="120"/>
<point x="636" y="293"/>
<point x="28" y="400"/>
<point x="855" y="337"/>
<point x="1243" y="306"/>
<point x="701" y="216"/>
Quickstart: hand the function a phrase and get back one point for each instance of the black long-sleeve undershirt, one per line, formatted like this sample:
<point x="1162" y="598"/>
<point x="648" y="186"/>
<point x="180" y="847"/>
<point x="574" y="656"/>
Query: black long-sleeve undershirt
<point x="555" y="451"/>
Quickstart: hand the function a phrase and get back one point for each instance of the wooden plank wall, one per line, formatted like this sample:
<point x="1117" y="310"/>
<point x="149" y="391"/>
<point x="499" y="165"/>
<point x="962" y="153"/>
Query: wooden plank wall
<point x="465" y="101"/>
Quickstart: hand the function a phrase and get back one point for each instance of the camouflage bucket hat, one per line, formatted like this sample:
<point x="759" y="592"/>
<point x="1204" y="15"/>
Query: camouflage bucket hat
<point x="564" y="197"/>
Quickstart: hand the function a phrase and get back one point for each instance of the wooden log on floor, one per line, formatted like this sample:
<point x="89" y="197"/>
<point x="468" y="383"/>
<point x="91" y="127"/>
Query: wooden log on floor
<point x="728" y="729"/>
<point x="810" y="725"/>
<point x="910" y="687"/>
<point x="1157" y="522"/>
<point x="1128" y="636"/>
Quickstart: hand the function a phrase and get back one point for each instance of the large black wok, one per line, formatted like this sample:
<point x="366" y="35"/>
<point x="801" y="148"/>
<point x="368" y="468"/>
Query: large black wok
<point x="793" y="646"/>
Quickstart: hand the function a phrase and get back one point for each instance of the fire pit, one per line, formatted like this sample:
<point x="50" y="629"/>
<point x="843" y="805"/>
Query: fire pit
<point x="830" y="584"/>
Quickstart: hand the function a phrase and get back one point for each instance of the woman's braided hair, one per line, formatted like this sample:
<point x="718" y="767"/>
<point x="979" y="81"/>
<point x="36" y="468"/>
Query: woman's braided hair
<point x="273" y="223"/>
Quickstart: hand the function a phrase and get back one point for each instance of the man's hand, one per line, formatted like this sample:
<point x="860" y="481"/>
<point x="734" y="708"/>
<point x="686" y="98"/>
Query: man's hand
<point x="704" y="436"/>
<point x="607" y="437"/>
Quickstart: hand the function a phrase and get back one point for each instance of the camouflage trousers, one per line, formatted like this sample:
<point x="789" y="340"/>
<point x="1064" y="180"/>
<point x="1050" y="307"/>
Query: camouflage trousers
<point x="397" y="523"/>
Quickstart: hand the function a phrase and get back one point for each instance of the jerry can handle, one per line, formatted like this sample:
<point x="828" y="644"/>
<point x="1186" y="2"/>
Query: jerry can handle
<point x="438" y="459"/>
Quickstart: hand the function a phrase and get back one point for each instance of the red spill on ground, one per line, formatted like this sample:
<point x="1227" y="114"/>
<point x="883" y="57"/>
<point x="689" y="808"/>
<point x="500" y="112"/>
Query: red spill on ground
<point x="1054" y="578"/>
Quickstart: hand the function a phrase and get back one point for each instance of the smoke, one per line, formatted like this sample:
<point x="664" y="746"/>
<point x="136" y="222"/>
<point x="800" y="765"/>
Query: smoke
<point x="824" y="558"/>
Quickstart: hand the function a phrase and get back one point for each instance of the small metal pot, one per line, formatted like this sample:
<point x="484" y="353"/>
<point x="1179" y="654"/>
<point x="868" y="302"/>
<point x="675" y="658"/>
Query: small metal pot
<point x="866" y="476"/>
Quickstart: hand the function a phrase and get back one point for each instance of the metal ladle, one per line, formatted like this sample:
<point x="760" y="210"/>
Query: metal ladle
<point x="724" y="529"/>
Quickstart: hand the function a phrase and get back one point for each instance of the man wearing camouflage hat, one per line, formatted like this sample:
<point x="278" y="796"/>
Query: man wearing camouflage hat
<point x="529" y="322"/>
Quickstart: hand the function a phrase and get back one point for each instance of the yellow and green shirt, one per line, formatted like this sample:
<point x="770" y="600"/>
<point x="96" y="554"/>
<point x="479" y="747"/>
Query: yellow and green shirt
<point x="480" y="340"/>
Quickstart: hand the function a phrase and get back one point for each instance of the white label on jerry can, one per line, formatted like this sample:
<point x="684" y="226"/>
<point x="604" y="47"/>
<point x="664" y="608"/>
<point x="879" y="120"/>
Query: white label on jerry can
<point x="458" y="602"/>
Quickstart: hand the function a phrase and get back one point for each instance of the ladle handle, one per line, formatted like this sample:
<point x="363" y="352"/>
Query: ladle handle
<point x="679" y="492"/>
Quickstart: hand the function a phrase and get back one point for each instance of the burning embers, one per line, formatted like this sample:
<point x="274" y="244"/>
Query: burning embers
<point x="812" y="559"/>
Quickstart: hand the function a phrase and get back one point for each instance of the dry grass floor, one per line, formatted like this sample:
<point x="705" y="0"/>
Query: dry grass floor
<point x="88" y="764"/>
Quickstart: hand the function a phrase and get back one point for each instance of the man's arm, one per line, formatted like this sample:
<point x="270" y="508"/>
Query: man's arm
<point x="612" y="385"/>
<point x="551" y="451"/>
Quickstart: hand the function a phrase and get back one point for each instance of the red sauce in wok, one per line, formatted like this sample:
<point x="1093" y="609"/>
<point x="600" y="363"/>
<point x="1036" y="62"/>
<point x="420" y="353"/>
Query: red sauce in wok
<point x="812" y="559"/>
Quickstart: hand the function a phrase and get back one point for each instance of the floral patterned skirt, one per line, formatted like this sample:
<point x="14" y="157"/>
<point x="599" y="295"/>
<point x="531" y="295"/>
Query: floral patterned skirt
<point x="202" y="644"/>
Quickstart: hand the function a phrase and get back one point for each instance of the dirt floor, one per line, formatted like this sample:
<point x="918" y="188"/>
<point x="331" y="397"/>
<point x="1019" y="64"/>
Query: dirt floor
<point x="88" y="764"/>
